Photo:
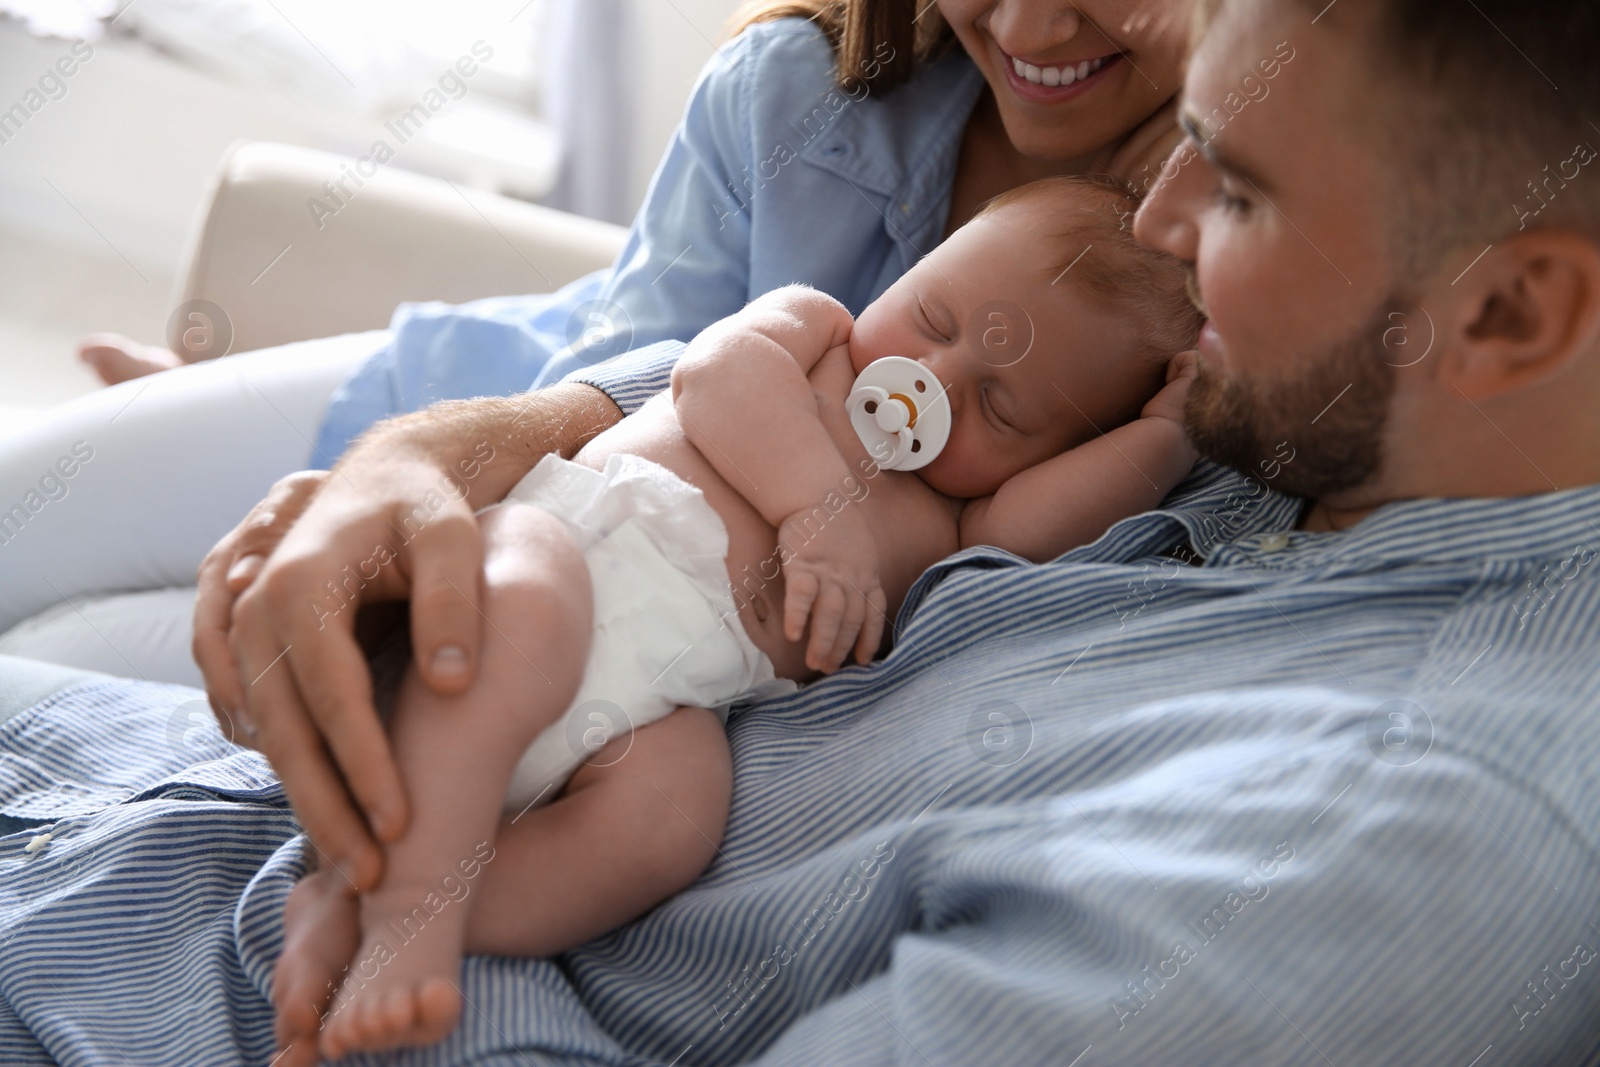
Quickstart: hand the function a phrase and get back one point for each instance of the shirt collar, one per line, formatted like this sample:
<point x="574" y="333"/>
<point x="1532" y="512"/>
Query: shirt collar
<point x="903" y="145"/>
<point x="1234" y="519"/>
<point x="1545" y="526"/>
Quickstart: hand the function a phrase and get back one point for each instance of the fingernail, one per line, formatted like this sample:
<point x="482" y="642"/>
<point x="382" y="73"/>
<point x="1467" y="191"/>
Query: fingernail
<point x="450" y="659"/>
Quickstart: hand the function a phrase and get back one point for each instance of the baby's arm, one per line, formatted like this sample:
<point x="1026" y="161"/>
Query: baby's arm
<point x="1071" y="499"/>
<point x="744" y="400"/>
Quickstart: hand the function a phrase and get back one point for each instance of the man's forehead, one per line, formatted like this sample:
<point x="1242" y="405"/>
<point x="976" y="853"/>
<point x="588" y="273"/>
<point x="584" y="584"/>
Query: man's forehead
<point x="1271" y="79"/>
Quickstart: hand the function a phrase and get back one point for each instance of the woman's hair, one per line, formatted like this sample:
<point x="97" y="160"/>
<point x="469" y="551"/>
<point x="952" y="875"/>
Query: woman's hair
<point x="1088" y="222"/>
<point x="881" y="43"/>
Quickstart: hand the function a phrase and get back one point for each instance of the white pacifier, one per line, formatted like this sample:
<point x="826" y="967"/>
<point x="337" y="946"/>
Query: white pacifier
<point x="900" y="412"/>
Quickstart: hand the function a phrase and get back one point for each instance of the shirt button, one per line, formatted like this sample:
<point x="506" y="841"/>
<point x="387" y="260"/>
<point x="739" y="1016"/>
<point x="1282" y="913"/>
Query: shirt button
<point x="905" y="209"/>
<point x="1275" y="542"/>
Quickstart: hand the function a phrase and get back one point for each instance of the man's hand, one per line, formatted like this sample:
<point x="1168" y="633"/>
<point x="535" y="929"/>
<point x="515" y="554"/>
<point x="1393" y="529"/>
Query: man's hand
<point x="228" y="570"/>
<point x="832" y="576"/>
<point x="1168" y="403"/>
<point x="383" y="531"/>
<point x="394" y="521"/>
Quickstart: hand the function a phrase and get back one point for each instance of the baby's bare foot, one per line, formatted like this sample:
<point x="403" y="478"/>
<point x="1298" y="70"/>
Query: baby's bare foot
<point x="117" y="359"/>
<point x="321" y="929"/>
<point x="401" y="988"/>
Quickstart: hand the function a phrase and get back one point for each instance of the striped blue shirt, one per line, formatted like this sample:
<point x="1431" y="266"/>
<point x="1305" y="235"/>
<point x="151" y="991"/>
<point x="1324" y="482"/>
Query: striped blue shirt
<point x="1209" y="790"/>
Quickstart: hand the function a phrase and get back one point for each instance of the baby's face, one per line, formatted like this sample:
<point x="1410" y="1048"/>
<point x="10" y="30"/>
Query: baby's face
<point x="1032" y="367"/>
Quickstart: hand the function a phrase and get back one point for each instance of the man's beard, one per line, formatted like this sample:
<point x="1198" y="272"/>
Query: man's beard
<point x="1242" y="424"/>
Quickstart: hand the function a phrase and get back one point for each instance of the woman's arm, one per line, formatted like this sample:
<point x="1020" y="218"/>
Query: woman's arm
<point x="274" y="621"/>
<point x="1071" y="499"/>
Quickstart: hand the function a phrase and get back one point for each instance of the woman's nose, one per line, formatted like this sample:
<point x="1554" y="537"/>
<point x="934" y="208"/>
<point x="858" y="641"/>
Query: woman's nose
<point x="1033" y="28"/>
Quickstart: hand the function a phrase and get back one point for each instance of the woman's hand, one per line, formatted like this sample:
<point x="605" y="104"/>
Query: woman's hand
<point x="831" y="576"/>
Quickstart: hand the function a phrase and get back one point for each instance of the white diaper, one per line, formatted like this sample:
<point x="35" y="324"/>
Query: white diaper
<point x="666" y="629"/>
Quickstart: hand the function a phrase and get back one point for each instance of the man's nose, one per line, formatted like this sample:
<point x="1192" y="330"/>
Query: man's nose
<point x="1168" y="219"/>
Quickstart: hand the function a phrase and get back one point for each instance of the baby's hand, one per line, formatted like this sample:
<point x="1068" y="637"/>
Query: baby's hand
<point x="831" y="571"/>
<point x="1168" y="403"/>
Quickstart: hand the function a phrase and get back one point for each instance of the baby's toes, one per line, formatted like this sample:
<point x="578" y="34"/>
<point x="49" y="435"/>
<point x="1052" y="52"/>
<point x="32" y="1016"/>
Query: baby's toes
<point x="295" y="1024"/>
<point x="341" y="1032"/>
<point x="395" y="1018"/>
<point x="438" y="1009"/>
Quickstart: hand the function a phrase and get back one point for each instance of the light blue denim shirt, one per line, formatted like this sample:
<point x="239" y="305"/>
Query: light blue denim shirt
<point x="777" y="175"/>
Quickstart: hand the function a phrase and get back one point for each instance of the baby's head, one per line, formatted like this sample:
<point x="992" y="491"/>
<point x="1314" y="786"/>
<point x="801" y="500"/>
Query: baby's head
<point x="1045" y="320"/>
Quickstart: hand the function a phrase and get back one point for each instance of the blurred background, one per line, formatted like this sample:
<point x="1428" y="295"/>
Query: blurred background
<point x="102" y="171"/>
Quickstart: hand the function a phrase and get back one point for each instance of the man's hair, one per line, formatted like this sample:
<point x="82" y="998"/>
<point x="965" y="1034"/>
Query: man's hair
<point x="1087" y="236"/>
<point x="1500" y="133"/>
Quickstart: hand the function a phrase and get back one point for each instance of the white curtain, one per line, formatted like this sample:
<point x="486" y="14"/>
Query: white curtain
<point x="590" y="69"/>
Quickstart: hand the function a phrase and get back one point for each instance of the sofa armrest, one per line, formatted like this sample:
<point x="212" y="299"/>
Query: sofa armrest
<point x="289" y="257"/>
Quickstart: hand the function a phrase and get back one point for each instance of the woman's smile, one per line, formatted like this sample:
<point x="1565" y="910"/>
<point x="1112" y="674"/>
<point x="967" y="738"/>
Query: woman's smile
<point x="1048" y="83"/>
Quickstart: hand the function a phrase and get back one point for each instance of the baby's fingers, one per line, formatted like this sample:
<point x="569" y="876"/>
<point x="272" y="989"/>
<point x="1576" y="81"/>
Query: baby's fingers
<point x="825" y="619"/>
<point x="1183" y="364"/>
<point x="797" y="601"/>
<point x="855" y="611"/>
<point x="876" y="618"/>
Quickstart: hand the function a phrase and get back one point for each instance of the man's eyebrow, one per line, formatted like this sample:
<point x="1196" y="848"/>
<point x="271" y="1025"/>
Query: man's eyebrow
<point x="1206" y="145"/>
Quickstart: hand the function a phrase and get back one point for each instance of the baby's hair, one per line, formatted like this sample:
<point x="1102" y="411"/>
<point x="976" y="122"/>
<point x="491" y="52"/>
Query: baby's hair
<point x="1088" y="240"/>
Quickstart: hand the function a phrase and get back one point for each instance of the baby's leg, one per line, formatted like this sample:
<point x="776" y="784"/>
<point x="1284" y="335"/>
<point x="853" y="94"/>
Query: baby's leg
<point x="635" y="825"/>
<point x="456" y="756"/>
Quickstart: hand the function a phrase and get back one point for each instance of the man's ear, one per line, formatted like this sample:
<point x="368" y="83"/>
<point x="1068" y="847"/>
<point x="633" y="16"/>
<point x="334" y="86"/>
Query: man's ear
<point x="1527" y="310"/>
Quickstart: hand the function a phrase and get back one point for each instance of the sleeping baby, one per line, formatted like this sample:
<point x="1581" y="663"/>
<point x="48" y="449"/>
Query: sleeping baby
<point x="752" y="530"/>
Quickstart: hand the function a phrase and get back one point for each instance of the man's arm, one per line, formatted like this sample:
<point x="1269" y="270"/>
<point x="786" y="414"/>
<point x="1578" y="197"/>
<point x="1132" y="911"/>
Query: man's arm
<point x="1071" y="499"/>
<point x="274" y="621"/>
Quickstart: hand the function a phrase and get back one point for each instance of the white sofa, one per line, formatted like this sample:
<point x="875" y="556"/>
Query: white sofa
<point x="288" y="260"/>
<point x="257" y="252"/>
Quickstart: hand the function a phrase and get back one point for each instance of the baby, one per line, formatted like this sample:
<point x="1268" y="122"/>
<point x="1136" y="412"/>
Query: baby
<point x="724" y="543"/>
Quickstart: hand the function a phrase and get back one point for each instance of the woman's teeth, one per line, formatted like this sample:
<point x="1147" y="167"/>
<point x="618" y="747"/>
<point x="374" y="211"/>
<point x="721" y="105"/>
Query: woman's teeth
<point x="1056" y="75"/>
